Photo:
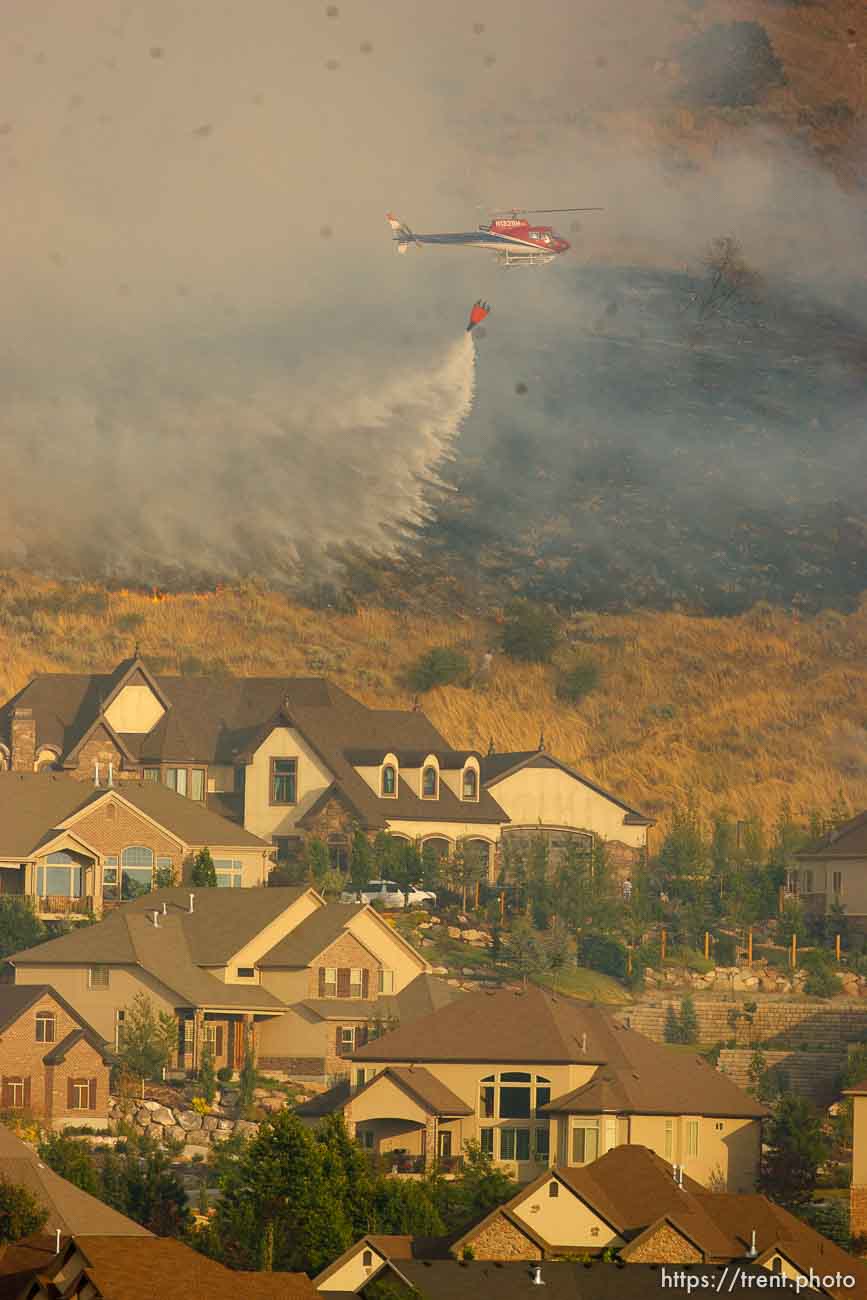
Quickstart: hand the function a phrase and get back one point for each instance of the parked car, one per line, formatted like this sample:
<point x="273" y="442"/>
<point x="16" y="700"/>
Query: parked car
<point x="390" y="895"/>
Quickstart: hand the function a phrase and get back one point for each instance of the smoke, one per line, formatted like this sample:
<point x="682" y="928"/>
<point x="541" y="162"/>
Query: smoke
<point x="213" y="364"/>
<point x="191" y="499"/>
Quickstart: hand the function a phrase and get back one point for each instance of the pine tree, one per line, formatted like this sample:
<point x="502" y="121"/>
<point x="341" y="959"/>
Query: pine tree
<point x="795" y="1146"/>
<point x="672" y="1025"/>
<point x="204" y="873"/>
<point x="688" y="1024"/>
<point x="247" y="1076"/>
<point x="360" y="860"/>
<point x="149" y="1038"/>
<point x="20" y="1212"/>
<point x="207" y="1076"/>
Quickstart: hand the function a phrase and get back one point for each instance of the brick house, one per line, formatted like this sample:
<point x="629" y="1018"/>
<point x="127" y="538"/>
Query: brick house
<point x="290" y="758"/>
<point x="540" y="1080"/>
<point x="629" y="1201"/>
<point x="53" y="1064"/>
<point x="76" y="849"/>
<point x="307" y="981"/>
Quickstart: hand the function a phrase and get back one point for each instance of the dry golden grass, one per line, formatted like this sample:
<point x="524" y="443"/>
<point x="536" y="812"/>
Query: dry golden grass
<point x="743" y="713"/>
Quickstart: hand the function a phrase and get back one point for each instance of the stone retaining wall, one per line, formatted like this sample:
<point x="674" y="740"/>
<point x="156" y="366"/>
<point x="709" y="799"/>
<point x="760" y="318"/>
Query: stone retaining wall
<point x="810" y="1074"/>
<point x="780" y="1024"/>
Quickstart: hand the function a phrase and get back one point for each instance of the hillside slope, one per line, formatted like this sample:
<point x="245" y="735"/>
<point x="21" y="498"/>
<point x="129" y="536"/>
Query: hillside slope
<point x="746" y="712"/>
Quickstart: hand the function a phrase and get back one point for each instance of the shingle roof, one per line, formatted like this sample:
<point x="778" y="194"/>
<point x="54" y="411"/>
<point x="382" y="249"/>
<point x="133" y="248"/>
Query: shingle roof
<point x="421" y="996"/>
<point x="391" y="1247"/>
<point x="69" y="1208"/>
<point x="846" y="841"/>
<point x="326" y="1103"/>
<point x="480" y="1280"/>
<point x="312" y="936"/>
<point x="449" y="760"/>
<point x="60" y="1051"/>
<point x="497" y="766"/>
<point x="537" y="1027"/>
<point x="144" y="1269"/>
<point x="434" y="1096"/>
<point x="34" y="804"/>
<point x="222" y="920"/>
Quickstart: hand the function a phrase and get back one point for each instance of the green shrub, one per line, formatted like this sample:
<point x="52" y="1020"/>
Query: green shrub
<point x="441" y="666"/>
<point x="580" y="680"/>
<point x="600" y="953"/>
<point x="224" y="1074"/>
<point x="530" y="632"/>
<point x="823" y="983"/>
<point x="725" y="949"/>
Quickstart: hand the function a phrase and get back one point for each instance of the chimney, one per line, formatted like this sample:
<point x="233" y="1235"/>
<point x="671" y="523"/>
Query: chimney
<point x="96" y="771"/>
<point x="192" y="899"/>
<point x="23" y="740"/>
<point x="156" y="920"/>
<point x="110" y="775"/>
<point x="536" y="1277"/>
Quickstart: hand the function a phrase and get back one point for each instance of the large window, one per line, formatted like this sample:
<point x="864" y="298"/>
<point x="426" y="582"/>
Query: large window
<point x="514" y="1095"/>
<point x="229" y="873"/>
<point x="59" y="876"/>
<point x="479" y="853"/>
<point x="429" y="783"/>
<point x="110" y="867"/>
<point x="137" y="870"/>
<point x="188" y="781"/>
<point x="585" y="1142"/>
<point x="692" y="1138"/>
<point x="284" y="780"/>
<point x="151" y="774"/>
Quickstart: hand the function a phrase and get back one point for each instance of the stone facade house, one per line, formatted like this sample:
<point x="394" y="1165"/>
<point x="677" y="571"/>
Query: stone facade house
<point x="834" y="871"/>
<point x="540" y="1080"/>
<point x="858" y="1193"/>
<point x="289" y="758"/>
<point x="77" y="850"/>
<point x="629" y="1201"/>
<point x="53" y="1065"/>
<point x="306" y="982"/>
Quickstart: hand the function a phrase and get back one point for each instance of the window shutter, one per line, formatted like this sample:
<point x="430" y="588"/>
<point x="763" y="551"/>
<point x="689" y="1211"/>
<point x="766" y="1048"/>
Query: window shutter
<point x="343" y="982"/>
<point x="365" y="983"/>
<point x="219" y="1044"/>
<point x="322" y="981"/>
<point x="7" y="1092"/>
<point x="70" y="1093"/>
<point x="339" y="1040"/>
<point x="27" y="1091"/>
<point x="182" y="1039"/>
<point x="92" y="1097"/>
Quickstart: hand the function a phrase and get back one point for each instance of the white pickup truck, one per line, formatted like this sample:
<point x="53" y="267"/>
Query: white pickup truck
<point x="389" y="894"/>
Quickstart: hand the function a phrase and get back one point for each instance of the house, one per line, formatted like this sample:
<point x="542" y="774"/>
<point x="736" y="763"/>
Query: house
<point x="53" y="1064"/>
<point x="70" y="1210"/>
<point x="477" y="1280"/>
<point x="629" y="1201"/>
<point x="540" y="1080"/>
<point x="76" y="849"/>
<point x="308" y="981"/>
<point x="858" y="1192"/>
<point x="289" y="758"/>
<point x="834" y="871"/>
<point x="90" y="1267"/>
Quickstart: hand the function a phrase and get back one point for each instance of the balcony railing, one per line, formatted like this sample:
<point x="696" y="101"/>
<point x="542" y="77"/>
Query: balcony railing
<point x="60" y="905"/>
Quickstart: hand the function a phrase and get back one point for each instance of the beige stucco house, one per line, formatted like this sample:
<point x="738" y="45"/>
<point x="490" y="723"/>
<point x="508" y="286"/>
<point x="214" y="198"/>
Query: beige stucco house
<point x="539" y="1080"/>
<point x="287" y="758"/>
<point x="834" y="871"/>
<point x="858" y="1194"/>
<point x="310" y="981"/>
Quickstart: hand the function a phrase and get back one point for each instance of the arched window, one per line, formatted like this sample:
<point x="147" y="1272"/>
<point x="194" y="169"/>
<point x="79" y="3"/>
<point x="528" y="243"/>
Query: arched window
<point x="389" y="782"/>
<point x="470" y="787"/>
<point x="553" y="1188"/>
<point x="776" y="1264"/>
<point x="479" y="852"/>
<point x="137" y="869"/>
<point x="367" y="1259"/>
<point x="438" y="845"/>
<point x="429" y="783"/>
<point x="46" y="1026"/>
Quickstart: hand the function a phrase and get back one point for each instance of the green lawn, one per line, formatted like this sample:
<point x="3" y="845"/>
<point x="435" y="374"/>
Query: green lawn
<point x="583" y="983"/>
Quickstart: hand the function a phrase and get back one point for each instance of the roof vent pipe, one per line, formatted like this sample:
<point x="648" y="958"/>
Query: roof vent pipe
<point x="674" y="1172"/>
<point x="57" y="1241"/>
<point x="110" y="776"/>
<point x="156" y="920"/>
<point x="96" y="771"/>
<point x="680" y="1176"/>
<point x="584" y="1043"/>
<point x="165" y="908"/>
<point x="192" y="898"/>
<point x="536" y="1278"/>
<point x="752" y="1252"/>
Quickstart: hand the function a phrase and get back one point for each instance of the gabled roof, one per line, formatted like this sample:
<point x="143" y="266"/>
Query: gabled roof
<point x="69" y="1208"/>
<point x="34" y="805"/>
<point x="60" y="1051"/>
<point x="326" y="1103"/>
<point x="388" y="1247"/>
<point x="15" y="999"/>
<point x="846" y="841"/>
<point x="421" y="996"/>
<point x="316" y="933"/>
<point x="423" y="1087"/>
<point x="535" y="1027"/>
<point x="496" y="767"/>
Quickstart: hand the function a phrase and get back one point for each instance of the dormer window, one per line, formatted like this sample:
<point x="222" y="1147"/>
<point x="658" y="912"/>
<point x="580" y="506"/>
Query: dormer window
<point x="429" y="783"/>
<point x="470" y="784"/>
<point x="389" y="781"/>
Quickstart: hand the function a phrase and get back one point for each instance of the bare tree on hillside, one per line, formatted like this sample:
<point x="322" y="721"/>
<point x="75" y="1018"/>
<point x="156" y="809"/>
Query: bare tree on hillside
<point x="728" y="279"/>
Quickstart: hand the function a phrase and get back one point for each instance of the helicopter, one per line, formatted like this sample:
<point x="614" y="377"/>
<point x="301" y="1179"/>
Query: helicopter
<point x="510" y="236"/>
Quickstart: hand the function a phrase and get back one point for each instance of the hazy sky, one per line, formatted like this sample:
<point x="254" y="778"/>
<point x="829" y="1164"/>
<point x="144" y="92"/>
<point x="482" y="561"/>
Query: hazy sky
<point x="209" y="347"/>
